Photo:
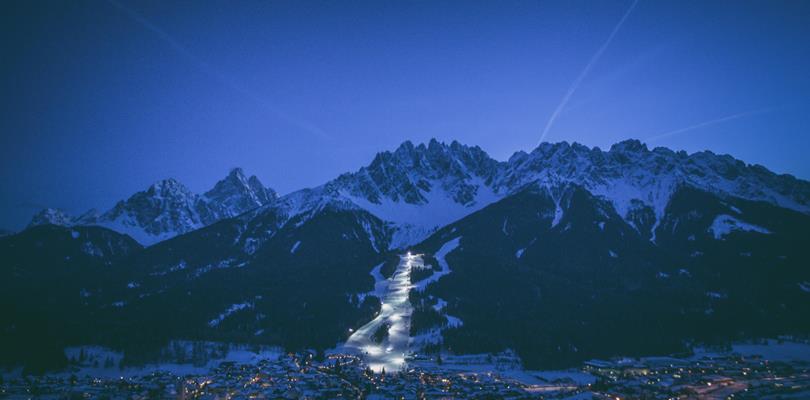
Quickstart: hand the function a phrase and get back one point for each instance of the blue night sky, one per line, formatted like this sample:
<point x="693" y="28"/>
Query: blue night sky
<point x="102" y="98"/>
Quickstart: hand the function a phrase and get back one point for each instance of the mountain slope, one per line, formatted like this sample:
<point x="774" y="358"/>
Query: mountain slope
<point x="589" y="283"/>
<point x="52" y="280"/>
<point x="295" y="288"/>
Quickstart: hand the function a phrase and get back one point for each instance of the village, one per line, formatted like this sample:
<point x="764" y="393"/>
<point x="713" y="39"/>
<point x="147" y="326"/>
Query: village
<point x="300" y="376"/>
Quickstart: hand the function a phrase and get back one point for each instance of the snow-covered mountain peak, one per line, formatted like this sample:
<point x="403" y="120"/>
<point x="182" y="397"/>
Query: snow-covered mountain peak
<point x="167" y="188"/>
<point x="236" y="172"/>
<point x="236" y="193"/>
<point x="168" y="208"/>
<point x="52" y="216"/>
<point x="235" y="179"/>
<point x="165" y="209"/>
<point x="411" y="174"/>
<point x="418" y="188"/>
<point x="630" y="175"/>
<point x="629" y="146"/>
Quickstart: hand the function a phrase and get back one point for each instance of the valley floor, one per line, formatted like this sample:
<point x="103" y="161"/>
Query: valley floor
<point x="783" y="373"/>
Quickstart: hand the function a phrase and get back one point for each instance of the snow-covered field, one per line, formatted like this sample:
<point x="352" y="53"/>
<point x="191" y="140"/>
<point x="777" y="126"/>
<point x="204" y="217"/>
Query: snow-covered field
<point x="188" y="358"/>
<point x="773" y="350"/>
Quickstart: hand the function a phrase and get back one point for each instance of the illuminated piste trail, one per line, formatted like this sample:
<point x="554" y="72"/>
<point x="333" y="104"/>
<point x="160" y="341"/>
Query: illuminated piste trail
<point x="388" y="351"/>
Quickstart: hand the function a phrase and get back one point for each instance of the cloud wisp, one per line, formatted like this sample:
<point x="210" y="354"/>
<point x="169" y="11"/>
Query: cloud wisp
<point x="224" y="79"/>
<point x="708" y="123"/>
<point x="584" y="73"/>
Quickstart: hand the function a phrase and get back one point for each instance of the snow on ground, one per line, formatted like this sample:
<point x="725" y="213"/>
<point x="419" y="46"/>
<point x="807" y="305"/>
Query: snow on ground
<point x="775" y="351"/>
<point x="380" y="284"/>
<point x="417" y="221"/>
<point x="573" y="374"/>
<point x="222" y="264"/>
<point x="431" y="336"/>
<point x="232" y="309"/>
<point x="395" y="313"/>
<point x="558" y="214"/>
<point x="440" y="304"/>
<point x="434" y="335"/>
<point x="519" y="252"/>
<point x="251" y="245"/>
<point x="453" y="322"/>
<point x="406" y="234"/>
<point x="179" y="267"/>
<point x="440" y="255"/>
<point x="504" y="361"/>
<point x="295" y="247"/>
<point x="103" y="362"/>
<point x="370" y="233"/>
<point x="128" y="225"/>
<point x="725" y="224"/>
<point x="92" y="250"/>
<point x="624" y="192"/>
<point x="506" y="364"/>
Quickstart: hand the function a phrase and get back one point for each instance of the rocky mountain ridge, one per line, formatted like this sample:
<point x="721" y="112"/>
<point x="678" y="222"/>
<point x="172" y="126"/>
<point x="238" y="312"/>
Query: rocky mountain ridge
<point x="417" y="189"/>
<point x="167" y="208"/>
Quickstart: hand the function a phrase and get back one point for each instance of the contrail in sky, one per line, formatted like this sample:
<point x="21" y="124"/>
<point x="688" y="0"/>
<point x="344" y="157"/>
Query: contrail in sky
<point x="584" y="73"/>
<point x="709" y="123"/>
<point x="213" y="72"/>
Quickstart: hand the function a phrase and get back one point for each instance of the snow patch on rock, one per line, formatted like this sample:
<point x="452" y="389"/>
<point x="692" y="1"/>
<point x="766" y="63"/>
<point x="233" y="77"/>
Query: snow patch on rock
<point x="228" y="312"/>
<point x="725" y="224"/>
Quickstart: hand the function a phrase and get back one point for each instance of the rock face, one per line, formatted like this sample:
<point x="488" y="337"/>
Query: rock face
<point x="167" y="208"/>
<point x="418" y="189"/>
<point x="236" y="194"/>
<point x="51" y="216"/>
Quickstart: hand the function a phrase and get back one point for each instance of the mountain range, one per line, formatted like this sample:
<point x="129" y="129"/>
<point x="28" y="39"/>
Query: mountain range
<point x="167" y="208"/>
<point x="562" y="254"/>
<point x="418" y="189"/>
